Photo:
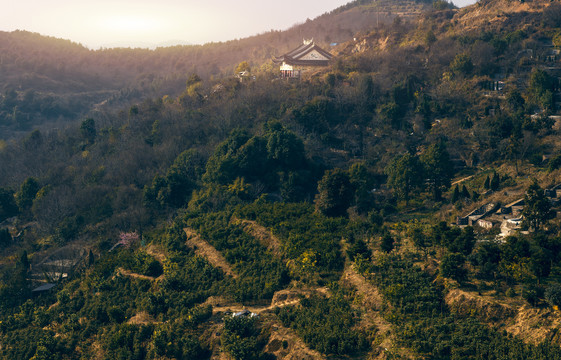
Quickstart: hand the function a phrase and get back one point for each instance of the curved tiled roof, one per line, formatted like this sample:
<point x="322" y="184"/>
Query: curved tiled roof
<point x="295" y="56"/>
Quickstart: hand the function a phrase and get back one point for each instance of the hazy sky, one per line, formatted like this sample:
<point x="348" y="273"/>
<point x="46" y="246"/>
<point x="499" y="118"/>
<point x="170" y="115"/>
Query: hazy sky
<point x="96" y="23"/>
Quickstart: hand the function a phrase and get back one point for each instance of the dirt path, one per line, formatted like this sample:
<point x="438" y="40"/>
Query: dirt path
<point x="138" y="276"/>
<point x="261" y="233"/>
<point x="461" y="180"/>
<point x="156" y="252"/>
<point x="253" y="309"/>
<point x="371" y="301"/>
<point x="531" y="325"/>
<point x="294" y="348"/>
<point x="281" y="298"/>
<point x="204" y="249"/>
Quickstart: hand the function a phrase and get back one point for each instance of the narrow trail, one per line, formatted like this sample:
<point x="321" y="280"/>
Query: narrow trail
<point x="204" y="249"/>
<point x="372" y="301"/>
<point x="461" y="180"/>
<point x="138" y="276"/>
<point x="282" y="298"/>
<point x="261" y="233"/>
<point x="253" y="309"/>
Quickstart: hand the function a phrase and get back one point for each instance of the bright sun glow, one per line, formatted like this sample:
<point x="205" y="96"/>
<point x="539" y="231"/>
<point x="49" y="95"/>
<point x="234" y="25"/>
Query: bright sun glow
<point x="129" y="24"/>
<point x="102" y="23"/>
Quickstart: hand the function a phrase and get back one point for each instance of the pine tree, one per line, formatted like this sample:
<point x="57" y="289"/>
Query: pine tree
<point x="537" y="207"/>
<point x="438" y="168"/>
<point x="5" y="237"/>
<point x="387" y="243"/>
<point x="465" y="192"/>
<point x="405" y="174"/>
<point x="495" y="182"/>
<point x="455" y="194"/>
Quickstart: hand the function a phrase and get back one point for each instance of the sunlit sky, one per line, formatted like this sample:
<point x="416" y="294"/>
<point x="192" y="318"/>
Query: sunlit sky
<point x="147" y="23"/>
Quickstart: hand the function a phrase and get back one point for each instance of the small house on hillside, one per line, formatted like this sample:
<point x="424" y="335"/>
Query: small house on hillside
<point x="553" y="192"/>
<point x="486" y="223"/>
<point x="306" y="56"/>
<point x="43" y="288"/>
<point x="515" y="208"/>
<point x="477" y="214"/>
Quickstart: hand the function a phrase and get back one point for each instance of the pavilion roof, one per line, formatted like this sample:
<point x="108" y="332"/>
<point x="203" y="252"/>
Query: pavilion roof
<point x="295" y="57"/>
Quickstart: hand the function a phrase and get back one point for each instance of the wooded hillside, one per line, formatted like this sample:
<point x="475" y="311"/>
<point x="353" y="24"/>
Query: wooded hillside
<point x="400" y="203"/>
<point x="48" y="82"/>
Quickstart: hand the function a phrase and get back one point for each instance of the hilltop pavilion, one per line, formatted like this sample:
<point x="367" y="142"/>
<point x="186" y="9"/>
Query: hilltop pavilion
<point x="305" y="56"/>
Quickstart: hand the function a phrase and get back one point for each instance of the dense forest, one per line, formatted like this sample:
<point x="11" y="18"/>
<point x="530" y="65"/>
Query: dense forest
<point x="147" y="197"/>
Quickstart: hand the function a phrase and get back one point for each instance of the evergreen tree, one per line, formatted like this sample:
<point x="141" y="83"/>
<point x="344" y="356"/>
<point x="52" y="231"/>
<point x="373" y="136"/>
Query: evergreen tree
<point x="420" y="239"/>
<point x="540" y="262"/>
<point x="87" y="129"/>
<point x="182" y="177"/>
<point x="455" y="194"/>
<point x="5" y="237"/>
<point x="537" y="207"/>
<point x="553" y="294"/>
<point x="495" y="182"/>
<point x="358" y="248"/>
<point x="404" y="175"/>
<point x="8" y="206"/>
<point x="452" y="266"/>
<point x="335" y="193"/>
<point x="362" y="183"/>
<point x="27" y="193"/>
<point x="438" y="168"/>
<point x="474" y="196"/>
<point x="23" y="262"/>
<point x="91" y="258"/>
<point x="465" y="193"/>
<point x="387" y="243"/>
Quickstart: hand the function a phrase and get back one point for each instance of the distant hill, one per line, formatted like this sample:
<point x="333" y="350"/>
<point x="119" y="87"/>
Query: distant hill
<point x="54" y="80"/>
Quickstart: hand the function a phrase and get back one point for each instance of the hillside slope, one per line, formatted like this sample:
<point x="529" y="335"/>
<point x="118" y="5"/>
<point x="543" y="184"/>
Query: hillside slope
<point x="54" y="80"/>
<point x="356" y="212"/>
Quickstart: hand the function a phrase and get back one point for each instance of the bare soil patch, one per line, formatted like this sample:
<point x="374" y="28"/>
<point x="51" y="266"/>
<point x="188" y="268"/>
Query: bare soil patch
<point x="531" y="325"/>
<point x="471" y="304"/>
<point x="204" y="249"/>
<point x="157" y="252"/>
<point x="142" y="318"/>
<point x="285" y="344"/>
<point x="261" y="233"/>
<point x="287" y="297"/>
<point x="370" y="301"/>
<point x="138" y="276"/>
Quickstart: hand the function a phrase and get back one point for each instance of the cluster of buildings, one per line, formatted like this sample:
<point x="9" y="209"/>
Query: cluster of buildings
<point x="507" y="218"/>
